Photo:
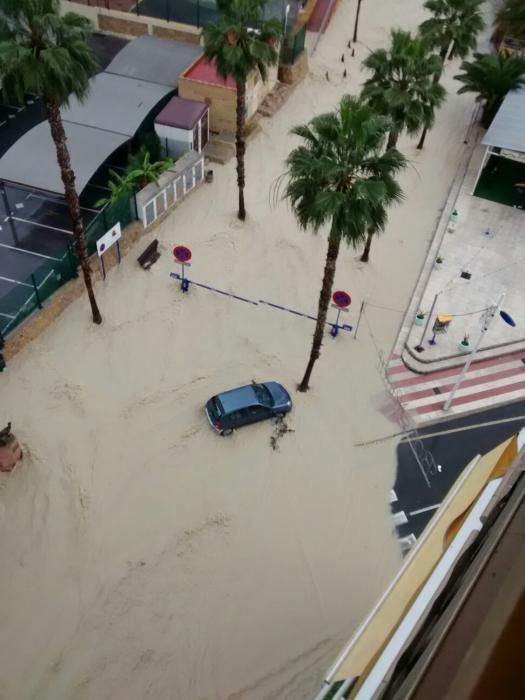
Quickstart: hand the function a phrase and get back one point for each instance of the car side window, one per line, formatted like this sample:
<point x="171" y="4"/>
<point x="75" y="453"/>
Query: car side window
<point x="257" y="412"/>
<point x="236" y="418"/>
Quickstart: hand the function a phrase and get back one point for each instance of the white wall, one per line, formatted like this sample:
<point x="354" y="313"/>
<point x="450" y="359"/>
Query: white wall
<point x="84" y="10"/>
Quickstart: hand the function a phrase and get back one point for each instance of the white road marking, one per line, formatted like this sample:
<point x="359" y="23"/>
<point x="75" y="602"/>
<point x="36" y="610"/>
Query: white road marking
<point x="424" y="510"/>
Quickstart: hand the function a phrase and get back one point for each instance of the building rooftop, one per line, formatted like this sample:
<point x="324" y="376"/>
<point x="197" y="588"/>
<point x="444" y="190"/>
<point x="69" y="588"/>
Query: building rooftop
<point x="181" y="113"/>
<point x="508" y="126"/>
<point x="422" y="636"/>
<point x="205" y="71"/>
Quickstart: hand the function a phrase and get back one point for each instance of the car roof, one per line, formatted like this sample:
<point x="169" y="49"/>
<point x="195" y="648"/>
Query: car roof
<point x="235" y="399"/>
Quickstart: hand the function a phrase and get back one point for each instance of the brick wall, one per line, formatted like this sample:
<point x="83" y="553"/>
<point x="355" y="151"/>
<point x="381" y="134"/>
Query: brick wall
<point x="222" y="102"/>
<point x="125" y="27"/>
<point x="294" y="73"/>
<point x="176" y="34"/>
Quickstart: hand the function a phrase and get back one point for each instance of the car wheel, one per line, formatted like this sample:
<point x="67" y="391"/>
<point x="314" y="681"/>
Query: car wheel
<point x="227" y="431"/>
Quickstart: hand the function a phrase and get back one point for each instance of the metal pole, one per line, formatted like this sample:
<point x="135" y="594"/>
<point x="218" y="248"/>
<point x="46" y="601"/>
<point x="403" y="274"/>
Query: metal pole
<point x="37" y="295"/>
<point x="103" y="267"/>
<point x="428" y="319"/>
<point x="357" y="19"/>
<point x="118" y="252"/>
<point x="9" y="215"/>
<point x="359" y="318"/>
<point x="492" y="312"/>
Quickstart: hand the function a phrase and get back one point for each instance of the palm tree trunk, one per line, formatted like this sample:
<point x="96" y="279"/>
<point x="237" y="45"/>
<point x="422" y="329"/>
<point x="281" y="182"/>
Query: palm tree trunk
<point x="366" y="251"/>
<point x="68" y="178"/>
<point x="443" y="52"/>
<point x="422" y="139"/>
<point x="240" y="146"/>
<point x="334" y="242"/>
<point x="451" y="52"/>
<point x="489" y="112"/>
<point x="392" y="140"/>
<point x="436" y="79"/>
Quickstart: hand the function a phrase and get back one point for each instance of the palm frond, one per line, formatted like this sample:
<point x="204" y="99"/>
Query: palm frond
<point x="340" y="174"/>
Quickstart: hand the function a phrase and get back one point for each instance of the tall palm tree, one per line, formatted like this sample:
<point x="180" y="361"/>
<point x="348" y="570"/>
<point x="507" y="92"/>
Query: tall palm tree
<point x="492" y="77"/>
<point x="46" y="54"/>
<point x="402" y="84"/>
<point x="341" y="177"/>
<point x="452" y="30"/>
<point x="510" y="20"/>
<point x="454" y="26"/>
<point x="240" y="42"/>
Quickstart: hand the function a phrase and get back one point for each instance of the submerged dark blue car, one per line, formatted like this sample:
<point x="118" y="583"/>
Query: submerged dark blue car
<point x="247" y="404"/>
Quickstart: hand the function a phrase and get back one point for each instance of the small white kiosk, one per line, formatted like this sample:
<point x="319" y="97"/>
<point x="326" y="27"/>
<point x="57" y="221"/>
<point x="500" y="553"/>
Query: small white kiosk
<point x="182" y="126"/>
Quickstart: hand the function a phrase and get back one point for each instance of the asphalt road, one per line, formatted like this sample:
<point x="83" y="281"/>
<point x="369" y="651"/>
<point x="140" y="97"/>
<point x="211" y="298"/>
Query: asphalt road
<point x="452" y="451"/>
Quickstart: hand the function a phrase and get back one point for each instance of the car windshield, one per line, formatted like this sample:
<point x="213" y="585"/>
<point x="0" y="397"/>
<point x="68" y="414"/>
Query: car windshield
<point x="263" y="395"/>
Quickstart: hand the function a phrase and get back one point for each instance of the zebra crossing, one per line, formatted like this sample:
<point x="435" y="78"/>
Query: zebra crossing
<point x="487" y="383"/>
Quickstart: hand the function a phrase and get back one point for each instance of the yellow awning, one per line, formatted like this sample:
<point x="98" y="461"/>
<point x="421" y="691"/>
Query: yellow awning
<point x="366" y="646"/>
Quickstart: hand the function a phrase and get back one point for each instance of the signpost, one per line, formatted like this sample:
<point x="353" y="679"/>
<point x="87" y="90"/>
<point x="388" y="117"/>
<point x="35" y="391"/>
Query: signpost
<point x="182" y="255"/>
<point x="106" y="241"/>
<point x="342" y="301"/>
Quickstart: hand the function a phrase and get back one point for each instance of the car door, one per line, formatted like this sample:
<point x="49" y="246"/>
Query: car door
<point x="257" y="413"/>
<point x="237" y="418"/>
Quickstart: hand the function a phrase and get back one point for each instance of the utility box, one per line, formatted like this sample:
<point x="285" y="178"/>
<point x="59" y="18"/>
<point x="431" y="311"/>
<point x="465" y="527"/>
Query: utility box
<point x="183" y="125"/>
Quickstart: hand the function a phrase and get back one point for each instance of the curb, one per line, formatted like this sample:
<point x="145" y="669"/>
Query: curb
<point x="435" y="242"/>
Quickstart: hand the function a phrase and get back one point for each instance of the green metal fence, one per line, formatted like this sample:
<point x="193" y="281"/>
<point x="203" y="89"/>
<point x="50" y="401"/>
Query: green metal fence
<point x="293" y="45"/>
<point x="29" y="294"/>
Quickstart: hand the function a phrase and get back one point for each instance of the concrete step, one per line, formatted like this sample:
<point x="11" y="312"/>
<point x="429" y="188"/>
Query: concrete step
<point x="219" y="152"/>
<point x="421" y="367"/>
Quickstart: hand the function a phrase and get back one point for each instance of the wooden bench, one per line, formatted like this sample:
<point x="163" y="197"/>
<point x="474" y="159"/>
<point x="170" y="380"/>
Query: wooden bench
<point x="150" y="255"/>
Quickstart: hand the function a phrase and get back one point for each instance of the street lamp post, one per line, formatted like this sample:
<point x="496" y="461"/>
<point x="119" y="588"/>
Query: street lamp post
<point x="357" y="19"/>
<point x="491" y="313"/>
<point x="429" y="318"/>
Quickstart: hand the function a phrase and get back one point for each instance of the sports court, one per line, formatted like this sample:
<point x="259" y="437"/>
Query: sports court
<point x="36" y="251"/>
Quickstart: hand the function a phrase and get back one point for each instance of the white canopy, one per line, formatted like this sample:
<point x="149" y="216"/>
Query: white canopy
<point x="508" y="127"/>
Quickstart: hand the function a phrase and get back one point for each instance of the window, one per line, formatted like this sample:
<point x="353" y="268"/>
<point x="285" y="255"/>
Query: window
<point x="263" y="395"/>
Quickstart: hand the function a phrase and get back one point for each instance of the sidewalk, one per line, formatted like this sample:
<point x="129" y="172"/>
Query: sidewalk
<point x="488" y="243"/>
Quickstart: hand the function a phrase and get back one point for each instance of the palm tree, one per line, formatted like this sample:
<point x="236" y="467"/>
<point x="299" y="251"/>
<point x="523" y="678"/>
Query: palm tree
<point x="492" y="77"/>
<point x="340" y="176"/>
<point x="46" y="54"/>
<point x="454" y="26"/>
<point x="119" y="186"/>
<point x="142" y="171"/>
<point x="240" y="42"/>
<point x="510" y="20"/>
<point x="139" y="173"/>
<point x="452" y="30"/>
<point x="401" y="85"/>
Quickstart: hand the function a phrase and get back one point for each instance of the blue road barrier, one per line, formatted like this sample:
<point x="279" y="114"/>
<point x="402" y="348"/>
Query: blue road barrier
<point x="334" y="326"/>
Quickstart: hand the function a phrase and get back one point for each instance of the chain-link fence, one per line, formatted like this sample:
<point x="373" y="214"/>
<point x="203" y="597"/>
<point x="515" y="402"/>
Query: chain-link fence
<point x="27" y="295"/>
<point x="197" y="13"/>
